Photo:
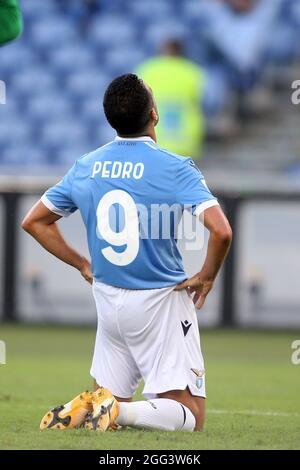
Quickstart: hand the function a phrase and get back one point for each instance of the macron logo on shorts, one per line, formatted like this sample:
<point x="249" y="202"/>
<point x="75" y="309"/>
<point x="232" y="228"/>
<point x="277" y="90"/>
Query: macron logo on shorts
<point x="185" y="326"/>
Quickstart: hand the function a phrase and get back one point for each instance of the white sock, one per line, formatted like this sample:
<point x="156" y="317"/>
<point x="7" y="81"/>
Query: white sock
<point x="161" y="414"/>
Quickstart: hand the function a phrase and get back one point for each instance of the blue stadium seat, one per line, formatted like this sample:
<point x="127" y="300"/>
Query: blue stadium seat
<point x="216" y="91"/>
<point x="32" y="8"/>
<point x="294" y="12"/>
<point x="124" y="59"/>
<point x="110" y="30"/>
<point x="67" y="155"/>
<point x="284" y="46"/>
<point x="91" y="109"/>
<point x="10" y="110"/>
<point x="161" y="31"/>
<point x="48" y="107"/>
<point x="85" y="83"/>
<point x="114" y="6"/>
<point x="51" y="33"/>
<point x="28" y="154"/>
<point x="34" y="80"/>
<point x="63" y="132"/>
<point x="15" y="57"/>
<point x="198" y="10"/>
<point x="150" y="10"/>
<point x="13" y="130"/>
<point x="67" y="59"/>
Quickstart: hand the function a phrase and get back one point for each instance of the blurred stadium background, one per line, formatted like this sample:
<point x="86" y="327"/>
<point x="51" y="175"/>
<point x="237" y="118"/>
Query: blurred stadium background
<point x="56" y="74"/>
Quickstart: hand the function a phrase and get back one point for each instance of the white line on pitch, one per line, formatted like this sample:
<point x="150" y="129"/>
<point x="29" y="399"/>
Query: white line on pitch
<point x="283" y="414"/>
<point x="252" y="413"/>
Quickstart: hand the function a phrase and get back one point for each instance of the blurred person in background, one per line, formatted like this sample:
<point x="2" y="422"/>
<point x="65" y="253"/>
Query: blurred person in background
<point x="241" y="6"/>
<point x="238" y="39"/>
<point x="11" y="23"/>
<point x="178" y="85"/>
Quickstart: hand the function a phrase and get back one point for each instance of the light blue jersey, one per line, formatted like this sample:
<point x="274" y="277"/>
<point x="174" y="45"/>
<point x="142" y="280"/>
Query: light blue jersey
<point x="124" y="192"/>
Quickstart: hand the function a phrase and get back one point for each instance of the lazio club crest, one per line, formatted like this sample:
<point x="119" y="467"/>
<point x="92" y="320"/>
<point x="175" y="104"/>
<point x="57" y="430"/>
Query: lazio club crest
<point x="199" y="377"/>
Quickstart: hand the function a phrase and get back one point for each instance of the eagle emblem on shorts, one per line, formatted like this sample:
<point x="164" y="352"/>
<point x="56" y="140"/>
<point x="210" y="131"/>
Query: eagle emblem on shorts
<point x="199" y="377"/>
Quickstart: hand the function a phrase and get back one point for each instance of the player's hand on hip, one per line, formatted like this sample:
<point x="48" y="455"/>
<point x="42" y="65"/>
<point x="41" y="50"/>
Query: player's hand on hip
<point x="198" y="286"/>
<point x="86" y="271"/>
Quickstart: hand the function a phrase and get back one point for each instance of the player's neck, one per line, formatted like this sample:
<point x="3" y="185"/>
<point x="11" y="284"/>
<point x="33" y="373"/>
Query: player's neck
<point x="150" y="132"/>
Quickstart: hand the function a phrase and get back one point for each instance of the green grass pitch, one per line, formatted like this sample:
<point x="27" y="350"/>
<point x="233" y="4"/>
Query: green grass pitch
<point x="253" y="392"/>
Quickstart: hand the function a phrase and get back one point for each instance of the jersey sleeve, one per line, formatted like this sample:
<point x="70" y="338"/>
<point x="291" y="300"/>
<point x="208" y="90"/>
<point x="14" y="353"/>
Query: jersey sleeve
<point x="58" y="199"/>
<point x="192" y="191"/>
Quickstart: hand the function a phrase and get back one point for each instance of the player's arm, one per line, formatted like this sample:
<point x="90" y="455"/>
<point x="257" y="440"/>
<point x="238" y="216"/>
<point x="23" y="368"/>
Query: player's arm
<point x="41" y="224"/>
<point x="218" y="246"/>
<point x="11" y="23"/>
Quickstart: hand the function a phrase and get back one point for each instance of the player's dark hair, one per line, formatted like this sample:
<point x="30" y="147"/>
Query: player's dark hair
<point x="127" y="104"/>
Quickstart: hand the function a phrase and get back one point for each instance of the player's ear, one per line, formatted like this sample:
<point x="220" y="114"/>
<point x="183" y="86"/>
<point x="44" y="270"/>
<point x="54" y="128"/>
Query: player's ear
<point x="154" y="116"/>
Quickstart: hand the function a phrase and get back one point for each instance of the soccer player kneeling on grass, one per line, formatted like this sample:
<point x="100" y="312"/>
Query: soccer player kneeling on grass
<point x="147" y="324"/>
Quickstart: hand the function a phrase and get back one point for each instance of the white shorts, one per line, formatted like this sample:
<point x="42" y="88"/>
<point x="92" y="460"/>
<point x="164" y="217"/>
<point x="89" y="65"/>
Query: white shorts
<point x="146" y="334"/>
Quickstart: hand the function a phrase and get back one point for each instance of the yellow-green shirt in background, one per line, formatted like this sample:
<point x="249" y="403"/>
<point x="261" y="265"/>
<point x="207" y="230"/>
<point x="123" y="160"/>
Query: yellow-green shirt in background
<point x="177" y="84"/>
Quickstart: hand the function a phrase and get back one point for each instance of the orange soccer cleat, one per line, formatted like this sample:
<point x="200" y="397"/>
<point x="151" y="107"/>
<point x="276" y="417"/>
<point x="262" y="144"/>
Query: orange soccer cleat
<point x="68" y="416"/>
<point x="105" y="411"/>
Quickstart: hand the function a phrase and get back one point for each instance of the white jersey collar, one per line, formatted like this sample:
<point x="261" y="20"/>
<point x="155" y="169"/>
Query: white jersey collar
<point x="145" y="138"/>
